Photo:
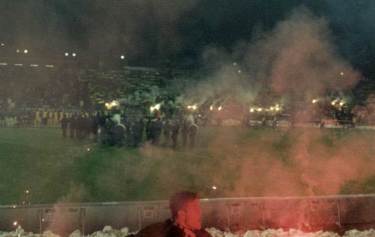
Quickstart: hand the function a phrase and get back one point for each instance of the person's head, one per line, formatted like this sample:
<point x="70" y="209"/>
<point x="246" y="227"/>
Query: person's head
<point x="185" y="208"/>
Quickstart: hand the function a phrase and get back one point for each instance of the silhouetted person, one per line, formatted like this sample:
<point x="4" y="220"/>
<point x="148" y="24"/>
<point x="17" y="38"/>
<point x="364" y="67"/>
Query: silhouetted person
<point x="175" y="128"/>
<point x="184" y="132"/>
<point x="44" y="120"/>
<point x="193" y="130"/>
<point x="156" y="128"/>
<point x="94" y="125"/>
<point x="322" y="123"/>
<point x="274" y="122"/>
<point x="73" y="125"/>
<point x="148" y="130"/>
<point x="106" y="132"/>
<point x="167" y="131"/>
<point x="81" y="126"/>
<point x="185" y="221"/>
<point x="264" y="122"/>
<point x="137" y="130"/>
<point x="118" y="134"/>
<point x="101" y="119"/>
<point x="64" y="125"/>
<point x="87" y="125"/>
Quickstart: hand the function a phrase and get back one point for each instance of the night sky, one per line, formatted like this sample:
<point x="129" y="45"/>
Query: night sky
<point x="152" y="32"/>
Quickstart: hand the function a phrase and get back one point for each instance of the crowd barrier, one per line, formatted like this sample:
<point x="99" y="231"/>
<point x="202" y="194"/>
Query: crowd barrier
<point x="334" y="213"/>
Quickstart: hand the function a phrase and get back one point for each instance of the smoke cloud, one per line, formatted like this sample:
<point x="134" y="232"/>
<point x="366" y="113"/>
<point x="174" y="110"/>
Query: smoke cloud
<point x="299" y="62"/>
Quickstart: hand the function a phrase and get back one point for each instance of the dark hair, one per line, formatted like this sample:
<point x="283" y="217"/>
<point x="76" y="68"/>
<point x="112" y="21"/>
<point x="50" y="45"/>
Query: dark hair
<point x="178" y="200"/>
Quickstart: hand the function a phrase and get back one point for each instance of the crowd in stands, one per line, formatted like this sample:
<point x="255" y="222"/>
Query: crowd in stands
<point x="40" y="87"/>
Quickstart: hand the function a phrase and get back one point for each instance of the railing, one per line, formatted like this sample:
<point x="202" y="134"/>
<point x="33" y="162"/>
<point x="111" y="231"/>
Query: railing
<point x="335" y="213"/>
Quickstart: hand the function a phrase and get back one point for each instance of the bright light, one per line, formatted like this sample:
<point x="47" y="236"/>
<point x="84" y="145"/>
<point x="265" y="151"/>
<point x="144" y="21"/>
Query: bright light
<point x="15" y="223"/>
<point x="27" y="191"/>
<point x="192" y="107"/>
<point x="342" y="103"/>
<point x="66" y="54"/>
<point x="3" y="64"/>
<point x="110" y="105"/>
<point x="259" y="109"/>
<point x="314" y="101"/>
<point x="342" y="74"/>
<point x="18" y="51"/>
<point x="88" y="149"/>
<point x="277" y="107"/>
<point x="220" y="108"/>
<point x="122" y="57"/>
<point x="214" y="187"/>
<point x="272" y="108"/>
<point x="2" y="44"/>
<point x="333" y="103"/>
<point x="74" y="54"/>
<point x="115" y="103"/>
<point x="252" y="110"/>
<point x="155" y="107"/>
<point x="211" y="107"/>
<point x="239" y="71"/>
<point x="25" y="51"/>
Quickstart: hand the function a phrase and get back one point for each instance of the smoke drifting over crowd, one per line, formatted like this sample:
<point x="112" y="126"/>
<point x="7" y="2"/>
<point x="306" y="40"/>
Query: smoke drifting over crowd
<point x="300" y="62"/>
<point x="297" y="59"/>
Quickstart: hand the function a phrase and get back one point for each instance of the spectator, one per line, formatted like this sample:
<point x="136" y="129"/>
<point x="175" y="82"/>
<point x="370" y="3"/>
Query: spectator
<point x="185" y="221"/>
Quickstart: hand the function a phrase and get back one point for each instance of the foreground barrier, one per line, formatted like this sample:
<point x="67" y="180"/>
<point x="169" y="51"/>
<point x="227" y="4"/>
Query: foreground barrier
<point x="334" y="213"/>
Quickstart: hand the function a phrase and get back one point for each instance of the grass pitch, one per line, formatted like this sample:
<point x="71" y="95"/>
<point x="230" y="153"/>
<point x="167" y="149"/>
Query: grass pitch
<point x="227" y="162"/>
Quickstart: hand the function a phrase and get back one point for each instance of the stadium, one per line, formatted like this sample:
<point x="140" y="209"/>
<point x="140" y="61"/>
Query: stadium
<point x="106" y="110"/>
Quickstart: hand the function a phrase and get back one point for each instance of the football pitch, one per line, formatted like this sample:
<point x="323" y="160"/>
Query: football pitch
<point x="40" y="166"/>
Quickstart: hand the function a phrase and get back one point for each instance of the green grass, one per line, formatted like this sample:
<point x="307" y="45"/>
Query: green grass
<point x="240" y="162"/>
